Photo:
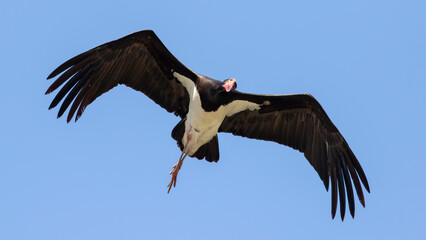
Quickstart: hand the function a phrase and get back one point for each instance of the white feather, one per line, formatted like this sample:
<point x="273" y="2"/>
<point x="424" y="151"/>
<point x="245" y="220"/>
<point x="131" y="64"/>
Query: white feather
<point x="202" y="126"/>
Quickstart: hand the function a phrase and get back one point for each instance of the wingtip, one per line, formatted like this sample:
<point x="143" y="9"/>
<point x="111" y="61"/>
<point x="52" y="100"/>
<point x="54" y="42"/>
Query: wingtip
<point x="367" y="187"/>
<point x="326" y="185"/>
<point x="60" y="113"/>
<point x="352" y="210"/>
<point x="362" y="201"/>
<point x="53" y="74"/>
<point x="49" y="90"/>
<point x="52" y="105"/>
<point x="342" y="213"/>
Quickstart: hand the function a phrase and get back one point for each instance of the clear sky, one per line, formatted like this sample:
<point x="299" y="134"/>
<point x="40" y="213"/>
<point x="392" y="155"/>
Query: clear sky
<point x="105" y="176"/>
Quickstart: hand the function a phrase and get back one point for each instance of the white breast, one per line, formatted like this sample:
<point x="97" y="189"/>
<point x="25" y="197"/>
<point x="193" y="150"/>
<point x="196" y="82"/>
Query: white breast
<point x="200" y="125"/>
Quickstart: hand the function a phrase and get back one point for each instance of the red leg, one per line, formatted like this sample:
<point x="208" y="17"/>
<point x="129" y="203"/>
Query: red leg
<point x="175" y="171"/>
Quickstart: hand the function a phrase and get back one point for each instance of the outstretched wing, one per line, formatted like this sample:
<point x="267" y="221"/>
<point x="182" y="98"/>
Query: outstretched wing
<point x="139" y="60"/>
<point x="300" y="122"/>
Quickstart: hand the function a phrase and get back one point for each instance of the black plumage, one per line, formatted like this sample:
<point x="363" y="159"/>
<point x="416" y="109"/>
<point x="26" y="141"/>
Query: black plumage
<point x="142" y="62"/>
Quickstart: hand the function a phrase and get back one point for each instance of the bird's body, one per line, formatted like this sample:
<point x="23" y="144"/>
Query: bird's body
<point x="207" y="106"/>
<point x="201" y="125"/>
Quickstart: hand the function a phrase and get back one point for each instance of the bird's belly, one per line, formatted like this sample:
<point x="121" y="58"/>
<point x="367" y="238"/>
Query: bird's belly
<point x="200" y="128"/>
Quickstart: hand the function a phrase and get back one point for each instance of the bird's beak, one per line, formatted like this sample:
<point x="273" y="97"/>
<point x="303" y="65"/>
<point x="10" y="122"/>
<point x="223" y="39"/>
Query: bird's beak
<point x="229" y="85"/>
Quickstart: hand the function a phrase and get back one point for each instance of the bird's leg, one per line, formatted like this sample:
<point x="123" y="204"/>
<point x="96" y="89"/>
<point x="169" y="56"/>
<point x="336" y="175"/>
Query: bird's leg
<point x="178" y="165"/>
<point x="175" y="171"/>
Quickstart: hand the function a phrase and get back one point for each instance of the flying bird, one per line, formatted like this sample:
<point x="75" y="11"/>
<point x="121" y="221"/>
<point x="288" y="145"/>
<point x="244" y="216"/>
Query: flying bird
<point x="207" y="106"/>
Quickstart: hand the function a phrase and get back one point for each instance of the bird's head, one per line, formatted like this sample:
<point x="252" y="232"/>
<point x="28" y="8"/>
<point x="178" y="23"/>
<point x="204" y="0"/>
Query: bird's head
<point x="229" y="84"/>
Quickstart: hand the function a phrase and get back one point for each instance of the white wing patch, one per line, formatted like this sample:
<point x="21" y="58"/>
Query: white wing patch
<point x="239" y="106"/>
<point x="186" y="82"/>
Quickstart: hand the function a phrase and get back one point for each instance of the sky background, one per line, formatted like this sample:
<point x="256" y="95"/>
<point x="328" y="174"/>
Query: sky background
<point x="105" y="176"/>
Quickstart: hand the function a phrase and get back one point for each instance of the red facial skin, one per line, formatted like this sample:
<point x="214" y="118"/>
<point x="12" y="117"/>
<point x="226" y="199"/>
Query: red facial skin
<point x="230" y="84"/>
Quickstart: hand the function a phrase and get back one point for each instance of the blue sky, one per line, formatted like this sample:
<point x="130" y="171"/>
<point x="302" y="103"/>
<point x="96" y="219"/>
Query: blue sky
<point x="105" y="176"/>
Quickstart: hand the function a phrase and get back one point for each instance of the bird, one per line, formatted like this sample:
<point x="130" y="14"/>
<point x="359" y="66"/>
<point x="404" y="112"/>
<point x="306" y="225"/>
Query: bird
<point x="207" y="107"/>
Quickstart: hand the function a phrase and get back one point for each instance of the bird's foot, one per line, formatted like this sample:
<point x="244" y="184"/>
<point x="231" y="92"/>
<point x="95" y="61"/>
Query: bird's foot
<point x="175" y="172"/>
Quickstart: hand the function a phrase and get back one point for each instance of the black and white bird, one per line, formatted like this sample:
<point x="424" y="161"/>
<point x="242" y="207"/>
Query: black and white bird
<point x="207" y="106"/>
